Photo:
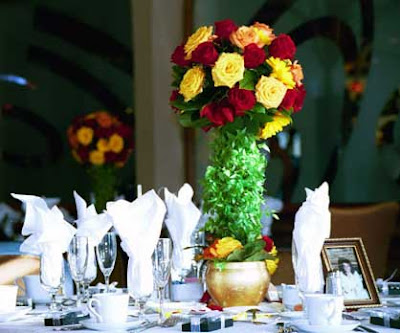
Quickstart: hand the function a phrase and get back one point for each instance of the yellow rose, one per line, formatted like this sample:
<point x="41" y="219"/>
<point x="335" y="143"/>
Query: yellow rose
<point x="275" y="126"/>
<point x="270" y="91"/>
<point x="228" y="70"/>
<point x="102" y="145"/>
<point x="272" y="265"/>
<point x="96" y="157"/>
<point x="265" y="34"/>
<point x="192" y="83"/>
<point x="226" y="246"/>
<point x="116" y="143"/>
<point x="244" y="36"/>
<point x="202" y="34"/>
<point x="282" y="70"/>
<point x="84" y="135"/>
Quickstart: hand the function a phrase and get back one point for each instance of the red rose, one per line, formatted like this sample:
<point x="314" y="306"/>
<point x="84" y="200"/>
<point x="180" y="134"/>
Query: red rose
<point x="83" y="154"/>
<point x="282" y="47"/>
<point x="174" y="96"/>
<point x="253" y="56"/>
<point x="289" y="99"/>
<point x="178" y="57"/>
<point x="224" y="28"/>
<point x="269" y="243"/>
<point x="124" y="130"/>
<point x="218" y="113"/>
<point x="111" y="157"/>
<point x="205" y="54"/>
<point x="241" y="100"/>
<point x="301" y="95"/>
<point x="101" y="132"/>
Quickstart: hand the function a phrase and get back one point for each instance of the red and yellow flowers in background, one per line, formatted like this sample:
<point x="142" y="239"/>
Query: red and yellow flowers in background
<point x="237" y="77"/>
<point x="99" y="138"/>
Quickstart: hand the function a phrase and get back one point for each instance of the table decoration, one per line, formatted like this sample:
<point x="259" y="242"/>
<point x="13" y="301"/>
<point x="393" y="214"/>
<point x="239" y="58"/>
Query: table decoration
<point x="243" y="84"/>
<point x="311" y="227"/>
<point x="102" y="144"/>
<point x="49" y="237"/>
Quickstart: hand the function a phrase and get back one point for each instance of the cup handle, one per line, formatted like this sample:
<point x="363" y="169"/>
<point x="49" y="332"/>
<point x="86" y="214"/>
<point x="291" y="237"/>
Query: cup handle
<point x="93" y="311"/>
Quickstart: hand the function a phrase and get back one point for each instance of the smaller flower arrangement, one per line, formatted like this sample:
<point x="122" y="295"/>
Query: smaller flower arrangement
<point x="102" y="144"/>
<point x="99" y="138"/>
<point x="229" y="249"/>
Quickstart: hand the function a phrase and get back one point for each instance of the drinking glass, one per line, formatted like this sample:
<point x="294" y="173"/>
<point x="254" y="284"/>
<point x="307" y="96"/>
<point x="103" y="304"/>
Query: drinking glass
<point x="106" y="252"/>
<point x="52" y="275"/>
<point x="91" y="272"/>
<point x="78" y="253"/>
<point x="161" y="269"/>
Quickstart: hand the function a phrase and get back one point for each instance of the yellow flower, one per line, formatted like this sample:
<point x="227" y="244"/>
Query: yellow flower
<point x="192" y="83"/>
<point x="282" y="70"/>
<point x="270" y="91"/>
<point x="226" y="246"/>
<point x="272" y="265"/>
<point x="96" y="157"/>
<point x="84" y="135"/>
<point x="116" y="143"/>
<point x="102" y="145"/>
<point x="274" y="251"/>
<point x="273" y="127"/>
<point x="265" y="34"/>
<point x="228" y="70"/>
<point x="202" y="34"/>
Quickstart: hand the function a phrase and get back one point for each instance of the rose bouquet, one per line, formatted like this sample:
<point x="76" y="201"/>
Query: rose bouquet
<point x="102" y="144"/>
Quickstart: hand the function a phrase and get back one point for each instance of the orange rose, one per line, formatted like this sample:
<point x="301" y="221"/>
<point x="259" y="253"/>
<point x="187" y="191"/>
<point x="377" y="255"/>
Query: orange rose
<point x="244" y="36"/>
<point x="265" y="34"/>
<point x="297" y="72"/>
<point x="104" y="119"/>
<point x="72" y="139"/>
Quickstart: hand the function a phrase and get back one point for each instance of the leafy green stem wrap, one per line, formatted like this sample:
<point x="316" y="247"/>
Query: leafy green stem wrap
<point x="104" y="182"/>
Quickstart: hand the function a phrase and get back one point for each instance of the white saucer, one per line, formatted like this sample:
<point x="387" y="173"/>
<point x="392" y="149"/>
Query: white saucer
<point x="292" y="314"/>
<point x="17" y="313"/>
<point x="347" y="325"/>
<point x="92" y="324"/>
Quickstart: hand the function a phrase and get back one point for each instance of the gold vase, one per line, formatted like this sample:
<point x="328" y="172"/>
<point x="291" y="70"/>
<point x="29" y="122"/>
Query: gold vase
<point x="237" y="283"/>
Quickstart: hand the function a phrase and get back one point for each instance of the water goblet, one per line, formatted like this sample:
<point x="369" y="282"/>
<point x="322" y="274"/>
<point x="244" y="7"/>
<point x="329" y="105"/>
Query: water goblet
<point x="52" y="276"/>
<point x="162" y="269"/>
<point x="91" y="272"/>
<point x="78" y="253"/>
<point x="106" y="252"/>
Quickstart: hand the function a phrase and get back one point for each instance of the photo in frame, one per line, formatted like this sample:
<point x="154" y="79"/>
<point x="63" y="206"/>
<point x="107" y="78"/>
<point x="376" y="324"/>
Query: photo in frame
<point x="348" y="256"/>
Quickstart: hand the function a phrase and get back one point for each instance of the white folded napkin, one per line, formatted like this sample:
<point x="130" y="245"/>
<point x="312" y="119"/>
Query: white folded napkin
<point x="139" y="224"/>
<point x="49" y="235"/>
<point x="89" y="223"/>
<point x="182" y="218"/>
<point x="312" y="226"/>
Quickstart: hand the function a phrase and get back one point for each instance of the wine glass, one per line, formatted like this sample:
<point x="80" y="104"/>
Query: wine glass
<point x="78" y="253"/>
<point x="106" y="252"/>
<point x="52" y="275"/>
<point x="161" y="269"/>
<point x="91" y="272"/>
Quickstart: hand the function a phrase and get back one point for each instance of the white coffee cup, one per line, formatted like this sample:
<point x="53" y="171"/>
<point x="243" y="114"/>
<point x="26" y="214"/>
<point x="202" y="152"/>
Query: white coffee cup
<point x="109" y="308"/>
<point x="290" y="296"/>
<point x="34" y="289"/>
<point x="8" y="298"/>
<point x="324" y="309"/>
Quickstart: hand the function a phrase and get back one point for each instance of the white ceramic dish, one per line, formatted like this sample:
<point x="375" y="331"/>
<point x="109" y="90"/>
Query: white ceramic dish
<point x="346" y="326"/>
<point x="177" y="306"/>
<point x="19" y="312"/>
<point x="92" y="324"/>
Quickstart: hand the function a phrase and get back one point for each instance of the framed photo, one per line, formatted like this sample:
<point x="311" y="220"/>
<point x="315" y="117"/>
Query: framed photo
<point x="348" y="256"/>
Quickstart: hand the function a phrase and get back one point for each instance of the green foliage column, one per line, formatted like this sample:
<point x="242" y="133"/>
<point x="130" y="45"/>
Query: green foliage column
<point x="234" y="186"/>
<point x="104" y="183"/>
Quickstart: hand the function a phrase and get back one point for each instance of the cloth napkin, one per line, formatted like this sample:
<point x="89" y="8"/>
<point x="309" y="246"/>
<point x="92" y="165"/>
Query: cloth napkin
<point x="49" y="235"/>
<point x="182" y="218"/>
<point x="139" y="224"/>
<point x="311" y="227"/>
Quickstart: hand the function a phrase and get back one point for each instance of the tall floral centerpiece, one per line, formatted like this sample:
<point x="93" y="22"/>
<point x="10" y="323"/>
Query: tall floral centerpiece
<point x="243" y="84"/>
<point x="102" y="144"/>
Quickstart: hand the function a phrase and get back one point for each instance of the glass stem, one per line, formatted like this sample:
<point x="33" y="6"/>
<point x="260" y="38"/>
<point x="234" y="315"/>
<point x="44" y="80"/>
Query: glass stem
<point x="107" y="278"/>
<point x="161" y="299"/>
<point x="53" y="303"/>
<point x="78" y="293"/>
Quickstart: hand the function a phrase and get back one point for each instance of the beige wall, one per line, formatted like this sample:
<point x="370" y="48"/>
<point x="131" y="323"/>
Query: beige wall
<point x="157" y="29"/>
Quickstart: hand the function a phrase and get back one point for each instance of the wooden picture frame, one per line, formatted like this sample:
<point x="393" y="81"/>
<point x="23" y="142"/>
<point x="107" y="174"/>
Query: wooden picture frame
<point x="348" y="255"/>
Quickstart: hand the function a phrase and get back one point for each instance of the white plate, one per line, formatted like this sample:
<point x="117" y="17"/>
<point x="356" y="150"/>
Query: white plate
<point x="94" y="325"/>
<point x="292" y="314"/>
<point x="347" y="325"/>
<point x="177" y="306"/>
<point x="20" y="311"/>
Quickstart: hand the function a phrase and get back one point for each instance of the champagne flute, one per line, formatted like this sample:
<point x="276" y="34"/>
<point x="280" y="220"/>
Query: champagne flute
<point x="162" y="269"/>
<point x="78" y="253"/>
<point x="106" y="252"/>
<point x="91" y="272"/>
<point x="52" y="275"/>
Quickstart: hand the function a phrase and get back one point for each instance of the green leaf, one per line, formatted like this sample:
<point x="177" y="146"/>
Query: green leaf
<point x="187" y="120"/>
<point x="259" y="256"/>
<point x="249" y="80"/>
<point x="258" y="108"/>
